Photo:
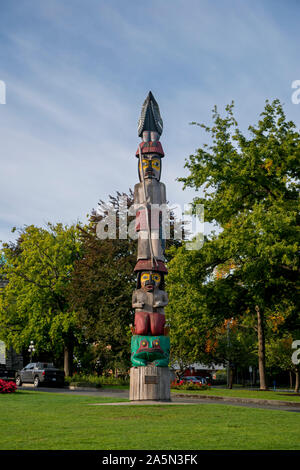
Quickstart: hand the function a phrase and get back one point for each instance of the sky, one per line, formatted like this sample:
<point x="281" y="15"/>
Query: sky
<point x="76" y="76"/>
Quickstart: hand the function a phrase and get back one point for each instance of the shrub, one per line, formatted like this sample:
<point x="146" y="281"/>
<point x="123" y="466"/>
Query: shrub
<point x="221" y="378"/>
<point x="94" y="380"/>
<point x="182" y="385"/>
<point x="84" y="384"/>
<point x="7" y="387"/>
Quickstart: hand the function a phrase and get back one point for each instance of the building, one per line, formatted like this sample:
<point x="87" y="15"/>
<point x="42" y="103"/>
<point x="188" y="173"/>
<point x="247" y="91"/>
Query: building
<point x="201" y="370"/>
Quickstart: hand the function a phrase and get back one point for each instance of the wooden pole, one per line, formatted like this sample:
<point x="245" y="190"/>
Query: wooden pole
<point x="150" y="383"/>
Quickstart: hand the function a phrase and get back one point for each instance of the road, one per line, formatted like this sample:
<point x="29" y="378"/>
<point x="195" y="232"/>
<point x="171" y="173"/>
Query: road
<point x="115" y="393"/>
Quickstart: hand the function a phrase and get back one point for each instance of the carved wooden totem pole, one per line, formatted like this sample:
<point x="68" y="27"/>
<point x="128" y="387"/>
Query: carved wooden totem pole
<point x="150" y="344"/>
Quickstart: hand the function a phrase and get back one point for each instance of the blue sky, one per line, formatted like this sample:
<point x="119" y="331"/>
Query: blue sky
<point x="77" y="73"/>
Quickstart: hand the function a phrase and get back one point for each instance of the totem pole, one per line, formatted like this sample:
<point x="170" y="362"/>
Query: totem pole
<point x="150" y="343"/>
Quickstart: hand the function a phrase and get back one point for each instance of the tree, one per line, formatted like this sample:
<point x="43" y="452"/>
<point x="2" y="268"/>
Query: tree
<point x="101" y="288"/>
<point x="34" y="304"/>
<point x="250" y="187"/>
<point x="103" y="281"/>
<point x="232" y="345"/>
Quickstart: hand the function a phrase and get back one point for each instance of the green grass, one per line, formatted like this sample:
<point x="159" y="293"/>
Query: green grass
<point x="264" y="395"/>
<point x="41" y="420"/>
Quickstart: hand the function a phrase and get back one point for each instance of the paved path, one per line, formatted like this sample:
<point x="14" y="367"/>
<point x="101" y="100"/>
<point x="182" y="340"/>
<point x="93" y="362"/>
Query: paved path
<point x="114" y="393"/>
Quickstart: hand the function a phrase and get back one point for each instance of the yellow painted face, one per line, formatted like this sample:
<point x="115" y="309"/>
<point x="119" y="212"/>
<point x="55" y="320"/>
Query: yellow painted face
<point x="151" y="167"/>
<point x="145" y="164"/>
<point x="156" y="164"/>
<point x="144" y="278"/>
<point x="151" y="278"/>
<point x="156" y="278"/>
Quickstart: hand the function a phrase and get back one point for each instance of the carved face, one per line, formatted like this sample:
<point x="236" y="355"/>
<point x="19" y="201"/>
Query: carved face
<point x="151" y="167"/>
<point x="150" y="280"/>
<point x="150" y="349"/>
<point x="146" y="345"/>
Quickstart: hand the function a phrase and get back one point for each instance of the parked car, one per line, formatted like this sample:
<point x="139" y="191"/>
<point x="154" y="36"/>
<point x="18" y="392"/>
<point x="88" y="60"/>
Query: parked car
<point x="201" y="379"/>
<point x="7" y="374"/>
<point x="195" y="379"/>
<point x="40" y="373"/>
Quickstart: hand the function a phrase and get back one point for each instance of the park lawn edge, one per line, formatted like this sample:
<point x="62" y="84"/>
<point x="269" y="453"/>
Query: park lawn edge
<point x="56" y="422"/>
<point x="246" y="394"/>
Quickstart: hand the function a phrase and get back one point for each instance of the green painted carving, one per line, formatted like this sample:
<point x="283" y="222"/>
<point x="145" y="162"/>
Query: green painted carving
<point x="147" y="350"/>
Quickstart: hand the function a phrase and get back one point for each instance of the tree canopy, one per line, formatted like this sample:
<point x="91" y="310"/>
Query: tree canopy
<point x="34" y="304"/>
<point x="250" y="186"/>
<point x="101" y="288"/>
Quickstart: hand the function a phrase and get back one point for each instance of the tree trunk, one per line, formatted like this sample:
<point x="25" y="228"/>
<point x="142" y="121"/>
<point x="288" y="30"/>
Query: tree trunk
<point x="261" y="350"/>
<point x="243" y="378"/>
<point x="291" y="379"/>
<point x="297" y="384"/>
<point x="68" y="360"/>
<point x="231" y="375"/>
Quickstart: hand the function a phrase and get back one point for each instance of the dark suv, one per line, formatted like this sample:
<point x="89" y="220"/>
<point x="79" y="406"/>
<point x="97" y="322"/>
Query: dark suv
<point x="40" y="373"/>
<point x="7" y="374"/>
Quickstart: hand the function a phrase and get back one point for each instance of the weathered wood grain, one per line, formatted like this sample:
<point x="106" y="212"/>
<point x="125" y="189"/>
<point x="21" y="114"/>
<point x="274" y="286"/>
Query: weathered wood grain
<point x="150" y="383"/>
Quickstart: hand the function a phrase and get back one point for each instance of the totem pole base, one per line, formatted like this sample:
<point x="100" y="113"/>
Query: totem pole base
<point x="150" y="383"/>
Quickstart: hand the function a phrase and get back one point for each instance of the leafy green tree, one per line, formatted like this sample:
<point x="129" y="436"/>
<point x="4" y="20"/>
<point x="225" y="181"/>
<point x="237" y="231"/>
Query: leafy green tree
<point x="101" y="288"/>
<point x="198" y="303"/>
<point x="232" y="345"/>
<point x="34" y="304"/>
<point x="103" y="282"/>
<point x="279" y="357"/>
<point x="250" y="189"/>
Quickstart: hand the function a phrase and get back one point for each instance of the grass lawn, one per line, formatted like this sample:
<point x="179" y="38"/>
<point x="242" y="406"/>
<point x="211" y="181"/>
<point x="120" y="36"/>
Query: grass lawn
<point x="41" y="420"/>
<point x="242" y="393"/>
